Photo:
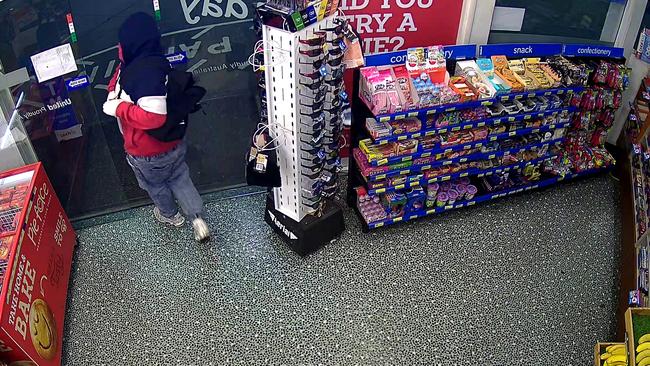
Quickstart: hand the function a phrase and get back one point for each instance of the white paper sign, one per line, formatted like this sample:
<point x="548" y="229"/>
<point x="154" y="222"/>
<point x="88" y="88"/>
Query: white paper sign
<point x="508" y="19"/>
<point x="54" y="62"/>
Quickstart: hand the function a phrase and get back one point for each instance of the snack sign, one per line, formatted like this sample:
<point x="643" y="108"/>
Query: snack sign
<point x="392" y="25"/>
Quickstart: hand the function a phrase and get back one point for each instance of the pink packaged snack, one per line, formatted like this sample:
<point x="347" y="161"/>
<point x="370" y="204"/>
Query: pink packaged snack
<point x="405" y="87"/>
<point x="394" y="102"/>
<point x="462" y="190"/>
<point x="442" y="199"/>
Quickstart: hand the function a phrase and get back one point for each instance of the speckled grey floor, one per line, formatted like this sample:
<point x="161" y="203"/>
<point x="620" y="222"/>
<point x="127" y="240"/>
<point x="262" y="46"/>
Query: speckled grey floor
<point x="527" y="280"/>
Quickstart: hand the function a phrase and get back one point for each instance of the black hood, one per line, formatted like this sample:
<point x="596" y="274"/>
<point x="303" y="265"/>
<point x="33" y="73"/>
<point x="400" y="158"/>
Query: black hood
<point x="139" y="37"/>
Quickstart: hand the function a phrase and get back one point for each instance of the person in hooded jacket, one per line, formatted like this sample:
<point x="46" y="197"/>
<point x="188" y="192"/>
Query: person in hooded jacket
<point x="137" y="97"/>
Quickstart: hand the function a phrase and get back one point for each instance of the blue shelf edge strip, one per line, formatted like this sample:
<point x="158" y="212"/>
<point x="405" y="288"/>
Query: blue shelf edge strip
<point x="461" y="159"/>
<point x="468" y="146"/>
<point x="467" y="173"/>
<point x="461" y="52"/>
<point x="421" y="113"/>
<point x="484" y="198"/>
<point x="472" y="124"/>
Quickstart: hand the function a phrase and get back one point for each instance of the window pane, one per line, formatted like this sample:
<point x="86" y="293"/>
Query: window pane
<point x="564" y="21"/>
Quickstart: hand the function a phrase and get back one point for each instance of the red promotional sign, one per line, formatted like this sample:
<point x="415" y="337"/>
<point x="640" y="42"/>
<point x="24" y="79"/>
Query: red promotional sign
<point x="35" y="286"/>
<point x="391" y="25"/>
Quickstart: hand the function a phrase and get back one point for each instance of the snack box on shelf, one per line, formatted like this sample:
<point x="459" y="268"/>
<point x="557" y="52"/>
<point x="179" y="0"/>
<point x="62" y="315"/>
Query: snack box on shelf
<point x="534" y="66"/>
<point x="523" y="75"/>
<point x="476" y="79"/>
<point x="501" y="69"/>
<point x="600" y="349"/>
<point x="487" y="67"/>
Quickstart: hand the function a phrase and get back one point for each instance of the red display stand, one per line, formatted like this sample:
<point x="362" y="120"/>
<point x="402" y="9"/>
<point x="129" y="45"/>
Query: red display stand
<point x="36" y="247"/>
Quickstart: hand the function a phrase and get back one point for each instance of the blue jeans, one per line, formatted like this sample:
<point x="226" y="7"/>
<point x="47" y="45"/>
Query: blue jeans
<point x="166" y="178"/>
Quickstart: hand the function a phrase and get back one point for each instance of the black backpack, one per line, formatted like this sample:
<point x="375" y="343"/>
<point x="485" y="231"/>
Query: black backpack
<point x="183" y="99"/>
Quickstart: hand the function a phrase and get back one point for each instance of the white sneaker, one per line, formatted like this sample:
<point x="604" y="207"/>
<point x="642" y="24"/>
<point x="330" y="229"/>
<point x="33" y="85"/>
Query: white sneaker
<point x="201" y="230"/>
<point x="177" y="220"/>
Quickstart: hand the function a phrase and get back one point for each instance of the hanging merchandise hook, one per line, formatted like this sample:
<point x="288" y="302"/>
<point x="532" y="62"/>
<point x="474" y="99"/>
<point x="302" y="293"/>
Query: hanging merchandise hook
<point x="279" y="54"/>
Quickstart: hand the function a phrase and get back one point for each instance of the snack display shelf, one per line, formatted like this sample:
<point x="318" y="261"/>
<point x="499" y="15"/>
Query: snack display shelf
<point x="483" y="198"/>
<point x="468" y="146"/>
<point x="473" y="124"/>
<point x="461" y="159"/>
<point x="466" y="173"/>
<point x="422" y="113"/>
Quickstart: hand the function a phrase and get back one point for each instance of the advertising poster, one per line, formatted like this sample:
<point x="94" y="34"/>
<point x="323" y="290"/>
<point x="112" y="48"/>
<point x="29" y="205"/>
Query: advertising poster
<point x="392" y="25"/>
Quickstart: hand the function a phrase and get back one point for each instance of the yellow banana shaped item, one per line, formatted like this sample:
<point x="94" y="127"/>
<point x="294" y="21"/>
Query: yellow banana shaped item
<point x="644" y="338"/>
<point x="643" y="347"/>
<point x="618" y="351"/>
<point x="617" y="358"/>
<point x="644" y="362"/>
<point x="642" y="355"/>
<point x="605" y="356"/>
<point x="613" y="347"/>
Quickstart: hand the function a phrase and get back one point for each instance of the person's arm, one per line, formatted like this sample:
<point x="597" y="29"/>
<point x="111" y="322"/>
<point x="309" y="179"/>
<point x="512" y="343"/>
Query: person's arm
<point x="113" y="83"/>
<point x="150" y="113"/>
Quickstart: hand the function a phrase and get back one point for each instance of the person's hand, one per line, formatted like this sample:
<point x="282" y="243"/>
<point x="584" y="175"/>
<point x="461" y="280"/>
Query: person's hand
<point x="111" y="95"/>
<point x="110" y="107"/>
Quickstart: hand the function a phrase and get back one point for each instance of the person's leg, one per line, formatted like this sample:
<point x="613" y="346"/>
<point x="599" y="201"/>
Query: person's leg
<point x="152" y="176"/>
<point x="182" y="186"/>
<point x="187" y="195"/>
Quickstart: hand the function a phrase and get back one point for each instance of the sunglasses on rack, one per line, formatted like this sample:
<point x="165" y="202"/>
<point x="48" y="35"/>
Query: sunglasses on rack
<point x="311" y="53"/>
<point x="316" y="64"/>
<point x="337" y="73"/>
<point x="318" y="95"/>
<point x="315" y="105"/>
<point x="316" y="142"/>
<point x="334" y="82"/>
<point x="317" y="206"/>
<point x="335" y="51"/>
<point x="315" y="115"/>
<point x="313" y="168"/>
<point x="336" y="61"/>
<point x="316" y="85"/>
<point x="319" y="40"/>
<point x="316" y="75"/>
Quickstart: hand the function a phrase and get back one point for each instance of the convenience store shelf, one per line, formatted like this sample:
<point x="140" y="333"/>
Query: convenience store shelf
<point x="473" y="124"/>
<point x="468" y="146"/>
<point x="422" y="113"/>
<point x="466" y="173"/>
<point x="483" y="198"/>
<point x="462" y="159"/>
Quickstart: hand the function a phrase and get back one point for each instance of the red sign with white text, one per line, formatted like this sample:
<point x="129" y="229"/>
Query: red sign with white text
<point x="392" y="25"/>
<point x="34" y="293"/>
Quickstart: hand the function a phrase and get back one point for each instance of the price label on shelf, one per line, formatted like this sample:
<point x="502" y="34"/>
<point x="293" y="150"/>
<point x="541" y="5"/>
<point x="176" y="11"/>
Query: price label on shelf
<point x="519" y="96"/>
<point x="513" y="133"/>
<point x="400" y="116"/>
<point x="400" y="186"/>
<point x="450" y="109"/>
<point x="416" y="135"/>
<point x="530" y="95"/>
<point x="414" y="114"/>
<point x="480" y="124"/>
<point x="403" y="137"/>
<point x="457" y="128"/>
<point x="384" y="119"/>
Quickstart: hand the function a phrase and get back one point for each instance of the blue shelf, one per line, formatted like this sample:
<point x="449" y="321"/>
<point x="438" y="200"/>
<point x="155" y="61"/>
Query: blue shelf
<point x="467" y="173"/>
<point x="472" y="124"/>
<point x="462" y="159"/>
<point x="468" y="146"/>
<point x="422" y="113"/>
<point x="483" y="198"/>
